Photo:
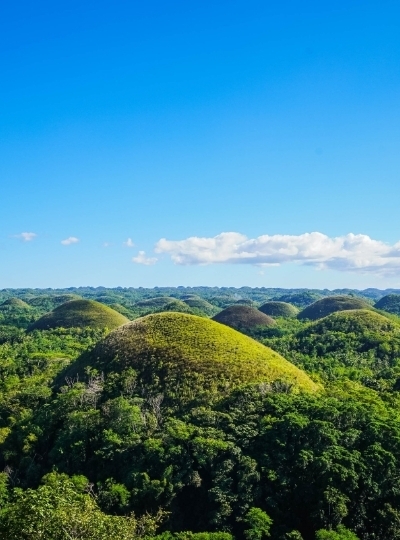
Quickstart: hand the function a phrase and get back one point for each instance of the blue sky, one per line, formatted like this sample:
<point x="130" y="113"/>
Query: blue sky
<point x="185" y="121"/>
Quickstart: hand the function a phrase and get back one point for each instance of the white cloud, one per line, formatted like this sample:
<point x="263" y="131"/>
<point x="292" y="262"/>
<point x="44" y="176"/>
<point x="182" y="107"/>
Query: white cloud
<point x="129" y="243"/>
<point x="142" y="259"/>
<point x="26" y="236"/>
<point x="351" y="252"/>
<point x="70" y="240"/>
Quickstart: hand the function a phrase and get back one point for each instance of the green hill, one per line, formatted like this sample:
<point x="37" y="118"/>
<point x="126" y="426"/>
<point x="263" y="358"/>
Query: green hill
<point x="161" y="303"/>
<point x="15" y="303"/>
<point x="358" y="331"/>
<point x="184" y="357"/>
<point x="80" y="313"/>
<point x="299" y="299"/>
<point x="200" y="306"/>
<point x="244" y="318"/>
<point x="47" y="302"/>
<point x="331" y="304"/>
<point x="389" y="303"/>
<point x="279" y="309"/>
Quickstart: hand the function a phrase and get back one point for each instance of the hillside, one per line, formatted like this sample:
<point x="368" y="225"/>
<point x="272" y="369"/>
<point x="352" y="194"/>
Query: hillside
<point x="325" y="306"/>
<point x="279" y="309"/>
<point x="80" y="313"/>
<point x="244" y="318"/>
<point x="185" y="356"/>
<point x="389" y="303"/>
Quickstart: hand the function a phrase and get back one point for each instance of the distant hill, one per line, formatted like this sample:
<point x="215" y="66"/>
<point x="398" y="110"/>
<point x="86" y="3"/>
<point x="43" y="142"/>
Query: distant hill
<point x="351" y="331"/>
<point x="200" y="306"/>
<point x="186" y="357"/>
<point x="15" y="303"/>
<point x="331" y="304"/>
<point x="389" y="303"/>
<point x="299" y="299"/>
<point x="80" y="313"/>
<point x="243" y="318"/>
<point x="279" y="309"/>
<point x="160" y="304"/>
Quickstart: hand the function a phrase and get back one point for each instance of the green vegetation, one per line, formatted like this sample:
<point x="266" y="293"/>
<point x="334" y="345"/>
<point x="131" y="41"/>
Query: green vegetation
<point x="245" y="319"/>
<point x="176" y="427"/>
<point x="389" y="303"/>
<point x="331" y="304"/>
<point x="80" y="313"/>
<point x="299" y="299"/>
<point x="279" y="309"/>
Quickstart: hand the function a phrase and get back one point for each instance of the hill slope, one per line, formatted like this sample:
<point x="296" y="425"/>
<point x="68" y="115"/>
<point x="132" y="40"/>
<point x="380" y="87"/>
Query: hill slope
<point x="331" y="304"/>
<point x="243" y="318"/>
<point x="389" y="303"/>
<point x="184" y="357"/>
<point x="79" y="313"/>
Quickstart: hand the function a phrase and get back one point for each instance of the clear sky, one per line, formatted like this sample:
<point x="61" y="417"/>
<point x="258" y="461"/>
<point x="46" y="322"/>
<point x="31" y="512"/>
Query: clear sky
<point x="200" y="143"/>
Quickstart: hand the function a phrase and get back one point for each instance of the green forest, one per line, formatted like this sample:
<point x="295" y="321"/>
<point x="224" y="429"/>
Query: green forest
<point x="199" y="413"/>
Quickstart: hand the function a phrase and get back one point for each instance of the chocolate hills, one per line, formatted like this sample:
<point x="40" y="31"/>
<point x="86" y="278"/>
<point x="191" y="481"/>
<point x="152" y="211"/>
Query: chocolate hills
<point x="279" y="309"/>
<point x="325" y="306"/>
<point x="80" y="313"/>
<point x="243" y="318"/>
<point x="185" y="356"/>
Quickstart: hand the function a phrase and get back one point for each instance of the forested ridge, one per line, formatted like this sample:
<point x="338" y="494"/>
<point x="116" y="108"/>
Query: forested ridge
<point x="108" y="433"/>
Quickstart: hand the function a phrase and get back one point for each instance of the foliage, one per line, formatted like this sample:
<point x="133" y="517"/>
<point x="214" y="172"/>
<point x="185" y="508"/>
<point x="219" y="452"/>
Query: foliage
<point x="259" y="524"/>
<point x="279" y="309"/>
<point x="244" y="318"/>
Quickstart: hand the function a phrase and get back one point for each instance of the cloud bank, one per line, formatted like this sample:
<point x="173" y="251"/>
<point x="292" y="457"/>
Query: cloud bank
<point x="70" y="240"/>
<point x="348" y="253"/>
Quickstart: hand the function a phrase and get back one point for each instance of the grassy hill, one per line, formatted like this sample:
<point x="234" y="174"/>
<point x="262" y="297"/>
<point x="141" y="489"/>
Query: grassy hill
<point x="80" y="313"/>
<point x="186" y="357"/>
<point x="199" y="306"/>
<point x="325" y="306"/>
<point x="298" y="299"/>
<point x="279" y="309"/>
<point x="160" y="304"/>
<point x="244" y="318"/>
<point x="389" y="303"/>
<point x="14" y="303"/>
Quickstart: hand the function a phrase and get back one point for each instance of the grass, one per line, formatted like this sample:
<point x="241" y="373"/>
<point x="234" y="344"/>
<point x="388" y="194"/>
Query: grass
<point x="243" y="318"/>
<point x="184" y="356"/>
<point x="279" y="309"/>
<point x="331" y="304"/>
<point x="80" y="313"/>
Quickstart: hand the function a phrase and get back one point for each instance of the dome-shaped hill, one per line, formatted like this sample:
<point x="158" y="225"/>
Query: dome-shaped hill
<point x="357" y="331"/>
<point x="279" y="309"/>
<point x="185" y="357"/>
<point x="198" y="304"/>
<point x="161" y="303"/>
<point x="15" y="303"/>
<point x="47" y="302"/>
<point x="245" y="302"/>
<point x="243" y="318"/>
<point x="389" y="303"/>
<point x="299" y="299"/>
<point x="331" y="304"/>
<point x="80" y="313"/>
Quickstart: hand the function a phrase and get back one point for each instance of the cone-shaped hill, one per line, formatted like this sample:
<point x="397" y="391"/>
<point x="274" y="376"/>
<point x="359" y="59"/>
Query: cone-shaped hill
<point x="331" y="304"/>
<point x="199" y="305"/>
<point x="80" y="313"/>
<point x="389" y="303"/>
<point x="357" y="331"/>
<point x="161" y="303"/>
<point x="15" y="303"/>
<point x="279" y="309"/>
<point x="244" y="318"/>
<point x="186" y="357"/>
